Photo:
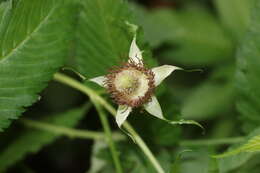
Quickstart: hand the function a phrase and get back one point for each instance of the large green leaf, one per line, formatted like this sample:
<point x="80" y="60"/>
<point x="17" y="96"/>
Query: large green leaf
<point x="3" y="6"/>
<point x="214" y="95"/>
<point x="248" y="72"/>
<point x="32" y="47"/>
<point x="237" y="19"/>
<point x="193" y="33"/>
<point x="32" y="141"/>
<point x="103" y="37"/>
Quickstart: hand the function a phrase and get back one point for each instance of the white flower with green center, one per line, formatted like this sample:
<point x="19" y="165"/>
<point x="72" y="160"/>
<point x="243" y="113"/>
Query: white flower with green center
<point x="132" y="85"/>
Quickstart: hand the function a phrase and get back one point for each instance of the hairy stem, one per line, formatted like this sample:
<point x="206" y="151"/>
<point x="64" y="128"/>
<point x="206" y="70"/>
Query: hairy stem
<point x="109" y="139"/>
<point x="94" y="96"/>
<point x="69" y="132"/>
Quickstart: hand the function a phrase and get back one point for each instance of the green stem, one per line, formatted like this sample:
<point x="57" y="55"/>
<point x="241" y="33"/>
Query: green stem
<point x="106" y="127"/>
<point x="208" y="142"/>
<point x="69" y="132"/>
<point x="91" y="93"/>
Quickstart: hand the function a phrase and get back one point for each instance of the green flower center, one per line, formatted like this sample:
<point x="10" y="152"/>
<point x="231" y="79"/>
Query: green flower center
<point x="132" y="83"/>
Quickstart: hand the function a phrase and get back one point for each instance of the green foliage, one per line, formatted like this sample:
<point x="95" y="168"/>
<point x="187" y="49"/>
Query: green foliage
<point x="103" y="37"/>
<point x="195" y="36"/>
<point x="216" y="94"/>
<point x="37" y="37"/>
<point x="175" y="167"/>
<point x="3" y="6"/>
<point x="237" y="19"/>
<point x="239" y="155"/>
<point x="247" y="80"/>
<point x="173" y="160"/>
<point x="32" y="140"/>
<point x="234" y="162"/>
<point x="193" y="108"/>
<point x="195" y="161"/>
<point x="132" y="160"/>
<point x="31" y="54"/>
<point x="252" y="145"/>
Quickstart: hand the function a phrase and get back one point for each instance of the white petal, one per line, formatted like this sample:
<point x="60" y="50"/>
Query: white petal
<point x="134" y="53"/>
<point x="162" y="72"/>
<point x="99" y="80"/>
<point x="122" y="113"/>
<point x="154" y="108"/>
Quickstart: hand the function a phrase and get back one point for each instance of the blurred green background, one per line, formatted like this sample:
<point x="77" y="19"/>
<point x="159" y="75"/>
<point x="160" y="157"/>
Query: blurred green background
<point x="193" y="34"/>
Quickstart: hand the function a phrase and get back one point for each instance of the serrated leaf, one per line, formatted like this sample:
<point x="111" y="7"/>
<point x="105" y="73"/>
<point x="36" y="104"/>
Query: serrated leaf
<point x="240" y="154"/>
<point x="237" y="19"/>
<point x="32" y="47"/>
<point x="247" y="78"/>
<point x="33" y="140"/>
<point x="103" y="36"/>
<point x="252" y="145"/>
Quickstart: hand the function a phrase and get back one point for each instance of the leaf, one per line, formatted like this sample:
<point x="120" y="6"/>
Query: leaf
<point x="194" y="35"/>
<point x="215" y="96"/>
<point x="252" y="145"/>
<point x="233" y="162"/>
<point x="103" y="36"/>
<point x="32" y="47"/>
<point x="237" y="19"/>
<point x="32" y="140"/>
<point x="240" y="154"/>
<point x="247" y="78"/>
<point x="186" y="122"/>
<point x="3" y="6"/>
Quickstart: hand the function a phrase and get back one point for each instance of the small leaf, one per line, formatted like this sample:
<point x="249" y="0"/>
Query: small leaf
<point x="186" y="122"/>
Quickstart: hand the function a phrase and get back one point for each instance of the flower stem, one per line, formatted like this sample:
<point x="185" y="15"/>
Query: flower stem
<point x="72" y="133"/>
<point x="94" y="96"/>
<point x="109" y="139"/>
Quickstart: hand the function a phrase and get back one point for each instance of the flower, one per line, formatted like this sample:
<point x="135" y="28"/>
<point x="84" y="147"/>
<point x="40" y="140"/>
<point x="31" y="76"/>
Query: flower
<point x="132" y="85"/>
